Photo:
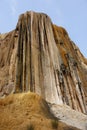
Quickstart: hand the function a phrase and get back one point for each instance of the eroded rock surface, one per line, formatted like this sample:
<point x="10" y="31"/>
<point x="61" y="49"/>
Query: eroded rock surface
<point x="69" y="116"/>
<point x="40" y="57"/>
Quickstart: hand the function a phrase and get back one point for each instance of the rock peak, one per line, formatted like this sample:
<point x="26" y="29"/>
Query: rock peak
<point x="41" y="58"/>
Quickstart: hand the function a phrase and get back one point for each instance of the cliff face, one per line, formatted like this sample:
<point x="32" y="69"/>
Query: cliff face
<point x="40" y="57"/>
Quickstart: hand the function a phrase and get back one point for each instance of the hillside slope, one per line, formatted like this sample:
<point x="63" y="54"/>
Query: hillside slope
<point x="19" y="111"/>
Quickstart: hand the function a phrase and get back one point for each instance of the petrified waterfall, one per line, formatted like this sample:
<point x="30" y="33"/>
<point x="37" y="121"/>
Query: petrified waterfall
<point x="40" y="57"/>
<point x="36" y="66"/>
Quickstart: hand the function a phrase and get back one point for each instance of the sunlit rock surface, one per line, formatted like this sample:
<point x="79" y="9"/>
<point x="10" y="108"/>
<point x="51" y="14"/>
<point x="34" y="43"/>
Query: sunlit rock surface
<point x="40" y="57"/>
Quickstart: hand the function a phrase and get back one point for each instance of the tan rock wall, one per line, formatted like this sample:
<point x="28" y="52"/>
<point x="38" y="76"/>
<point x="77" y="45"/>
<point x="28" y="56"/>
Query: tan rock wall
<point x="40" y="57"/>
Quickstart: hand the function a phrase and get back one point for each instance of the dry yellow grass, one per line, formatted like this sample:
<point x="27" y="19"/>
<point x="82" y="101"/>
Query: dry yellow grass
<point x="18" y="111"/>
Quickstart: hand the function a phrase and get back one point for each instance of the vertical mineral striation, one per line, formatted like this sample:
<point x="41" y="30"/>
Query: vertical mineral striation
<point x="40" y="57"/>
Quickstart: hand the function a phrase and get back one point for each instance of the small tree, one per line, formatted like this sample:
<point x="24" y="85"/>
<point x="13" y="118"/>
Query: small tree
<point x="30" y="127"/>
<point x="54" y="124"/>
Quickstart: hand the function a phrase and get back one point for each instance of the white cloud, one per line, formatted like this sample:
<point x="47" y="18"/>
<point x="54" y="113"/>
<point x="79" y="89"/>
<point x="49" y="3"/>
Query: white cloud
<point x="13" y="6"/>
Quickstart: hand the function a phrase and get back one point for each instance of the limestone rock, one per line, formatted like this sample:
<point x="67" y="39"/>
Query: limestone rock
<point x="69" y="116"/>
<point x="40" y="57"/>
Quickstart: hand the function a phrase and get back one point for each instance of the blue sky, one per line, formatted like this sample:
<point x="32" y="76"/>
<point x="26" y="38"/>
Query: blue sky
<point x="71" y="14"/>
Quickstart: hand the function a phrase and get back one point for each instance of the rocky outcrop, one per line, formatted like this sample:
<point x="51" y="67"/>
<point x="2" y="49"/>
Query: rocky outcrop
<point x="40" y="57"/>
<point x="69" y="116"/>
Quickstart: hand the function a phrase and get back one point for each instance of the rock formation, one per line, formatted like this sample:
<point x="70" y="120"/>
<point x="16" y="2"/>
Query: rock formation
<point x="40" y="57"/>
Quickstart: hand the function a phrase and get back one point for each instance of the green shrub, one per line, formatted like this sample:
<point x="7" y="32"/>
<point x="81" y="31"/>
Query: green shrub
<point x="30" y="127"/>
<point x="54" y="124"/>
